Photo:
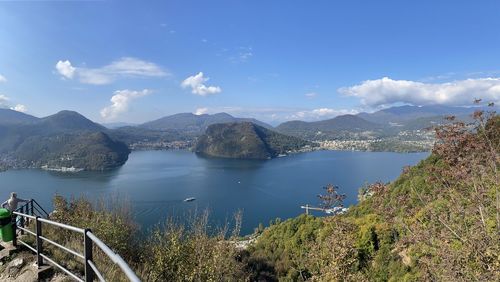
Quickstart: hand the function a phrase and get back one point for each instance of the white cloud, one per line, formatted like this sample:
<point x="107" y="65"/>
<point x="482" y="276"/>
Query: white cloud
<point x="196" y="83"/>
<point x="122" y="68"/>
<point x="281" y="114"/>
<point x="386" y="91"/>
<point x="311" y="95"/>
<point x="319" y="114"/>
<point x="65" y="69"/>
<point x="19" y="108"/>
<point x="201" y="111"/>
<point x="5" y="103"/>
<point x="120" y="102"/>
<point x="2" y="78"/>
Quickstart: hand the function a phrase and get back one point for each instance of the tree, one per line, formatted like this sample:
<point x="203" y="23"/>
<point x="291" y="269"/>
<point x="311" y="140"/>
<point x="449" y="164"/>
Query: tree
<point x="332" y="198"/>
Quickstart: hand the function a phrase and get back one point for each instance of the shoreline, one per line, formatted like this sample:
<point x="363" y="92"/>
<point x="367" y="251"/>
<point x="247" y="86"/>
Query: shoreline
<point x="71" y="170"/>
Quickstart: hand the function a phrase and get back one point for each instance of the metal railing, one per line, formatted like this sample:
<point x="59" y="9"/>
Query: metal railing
<point x="29" y="211"/>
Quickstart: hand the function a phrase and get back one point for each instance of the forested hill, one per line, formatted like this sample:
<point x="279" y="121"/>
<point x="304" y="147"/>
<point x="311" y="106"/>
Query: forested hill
<point x="63" y="140"/>
<point x="246" y="140"/>
<point x="339" y="123"/>
<point x="340" y="127"/>
<point x="437" y="222"/>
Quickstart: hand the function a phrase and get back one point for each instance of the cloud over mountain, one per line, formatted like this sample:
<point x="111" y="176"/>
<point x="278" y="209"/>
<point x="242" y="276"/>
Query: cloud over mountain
<point x="5" y="103"/>
<point x="120" y="102"/>
<point x="318" y="114"/>
<point x="386" y="91"/>
<point x="201" y="111"/>
<point x="198" y="87"/>
<point x="122" y="68"/>
<point x="19" y="108"/>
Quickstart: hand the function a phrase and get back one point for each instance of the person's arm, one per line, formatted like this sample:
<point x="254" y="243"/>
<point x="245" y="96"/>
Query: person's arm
<point x="22" y="200"/>
<point x="5" y="204"/>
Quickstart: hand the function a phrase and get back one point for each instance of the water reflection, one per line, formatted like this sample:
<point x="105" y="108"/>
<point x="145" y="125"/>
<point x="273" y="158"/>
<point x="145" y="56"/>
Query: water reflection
<point x="100" y="177"/>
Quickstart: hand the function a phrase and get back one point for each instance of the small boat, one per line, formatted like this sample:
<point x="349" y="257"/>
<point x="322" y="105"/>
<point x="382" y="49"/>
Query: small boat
<point x="190" y="199"/>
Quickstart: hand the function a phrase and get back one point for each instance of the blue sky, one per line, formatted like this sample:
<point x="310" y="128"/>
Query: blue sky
<point x="135" y="61"/>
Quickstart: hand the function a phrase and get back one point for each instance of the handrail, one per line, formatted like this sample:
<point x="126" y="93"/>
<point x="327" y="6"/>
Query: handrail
<point x="38" y="205"/>
<point x="96" y="271"/>
<point x="62" y="247"/>
<point x="24" y="215"/>
<point x="27" y="245"/>
<point x="114" y="257"/>
<point x="62" y="225"/>
<point x="88" y="240"/>
<point x="34" y="205"/>
<point x="26" y="230"/>
<point x="62" y="268"/>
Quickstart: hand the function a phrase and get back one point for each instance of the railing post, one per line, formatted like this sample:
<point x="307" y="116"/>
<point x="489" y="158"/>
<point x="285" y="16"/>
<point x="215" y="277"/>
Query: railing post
<point x="39" y="249"/>
<point x="31" y="208"/>
<point x="21" y="220"/>
<point x="87" y="242"/>
<point x="14" y="229"/>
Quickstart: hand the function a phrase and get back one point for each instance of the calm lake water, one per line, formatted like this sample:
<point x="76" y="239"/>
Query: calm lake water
<point x="157" y="182"/>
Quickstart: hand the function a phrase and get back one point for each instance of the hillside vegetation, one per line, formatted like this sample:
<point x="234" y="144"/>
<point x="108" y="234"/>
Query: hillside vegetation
<point x="89" y="151"/>
<point x="66" y="139"/>
<point x="439" y="221"/>
<point x="245" y="140"/>
<point x="340" y="127"/>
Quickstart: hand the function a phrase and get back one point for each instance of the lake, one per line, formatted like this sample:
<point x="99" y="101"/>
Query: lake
<point x="157" y="182"/>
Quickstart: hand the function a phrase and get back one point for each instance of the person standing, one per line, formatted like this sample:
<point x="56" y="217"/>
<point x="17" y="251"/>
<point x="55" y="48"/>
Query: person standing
<point x="12" y="202"/>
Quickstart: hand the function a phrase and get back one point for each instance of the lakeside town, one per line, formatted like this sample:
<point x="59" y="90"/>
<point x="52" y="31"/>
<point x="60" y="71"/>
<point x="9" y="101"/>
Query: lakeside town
<point x="404" y="142"/>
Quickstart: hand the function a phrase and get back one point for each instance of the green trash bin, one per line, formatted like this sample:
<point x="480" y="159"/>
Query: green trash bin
<point x="6" y="231"/>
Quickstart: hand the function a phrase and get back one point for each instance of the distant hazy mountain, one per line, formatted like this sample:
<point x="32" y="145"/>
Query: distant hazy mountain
<point x="404" y="114"/>
<point x="114" y="125"/>
<point x="245" y="140"/>
<point x="334" y="128"/>
<point x="381" y="124"/>
<point x="188" y="122"/>
<point x="134" y="134"/>
<point x="344" y="122"/>
<point x="63" y="139"/>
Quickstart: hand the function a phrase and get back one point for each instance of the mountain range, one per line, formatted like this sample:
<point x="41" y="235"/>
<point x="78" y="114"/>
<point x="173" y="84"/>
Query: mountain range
<point x="196" y="124"/>
<point x="380" y="124"/>
<point x="345" y="126"/>
<point x="406" y="113"/>
<point x="26" y="140"/>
